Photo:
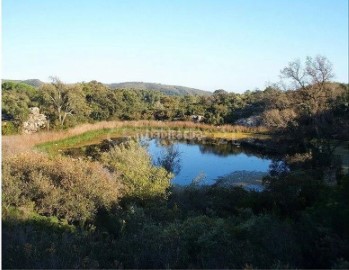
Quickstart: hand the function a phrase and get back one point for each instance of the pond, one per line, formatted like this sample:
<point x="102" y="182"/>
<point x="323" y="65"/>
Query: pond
<point x="204" y="161"/>
<point x="209" y="162"/>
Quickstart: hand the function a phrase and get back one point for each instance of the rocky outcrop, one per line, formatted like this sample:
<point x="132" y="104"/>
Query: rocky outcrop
<point x="35" y="122"/>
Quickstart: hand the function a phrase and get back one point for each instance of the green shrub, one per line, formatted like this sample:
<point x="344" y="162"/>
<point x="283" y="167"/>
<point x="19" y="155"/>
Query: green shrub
<point x="140" y="177"/>
<point x="62" y="187"/>
<point x="8" y="128"/>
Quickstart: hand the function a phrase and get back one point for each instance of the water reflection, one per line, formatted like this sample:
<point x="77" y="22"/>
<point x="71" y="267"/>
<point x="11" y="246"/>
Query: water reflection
<point x="170" y="159"/>
<point x="220" y="147"/>
<point x="203" y="161"/>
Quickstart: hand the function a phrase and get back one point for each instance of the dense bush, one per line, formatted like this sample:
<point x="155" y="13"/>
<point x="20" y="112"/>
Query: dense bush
<point x="140" y="177"/>
<point x="62" y="187"/>
<point x="16" y="100"/>
<point x="211" y="227"/>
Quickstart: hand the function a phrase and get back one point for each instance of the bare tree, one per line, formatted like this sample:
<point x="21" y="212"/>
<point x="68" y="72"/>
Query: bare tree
<point x="319" y="70"/>
<point x="311" y="78"/>
<point x="316" y="72"/>
<point x="296" y="73"/>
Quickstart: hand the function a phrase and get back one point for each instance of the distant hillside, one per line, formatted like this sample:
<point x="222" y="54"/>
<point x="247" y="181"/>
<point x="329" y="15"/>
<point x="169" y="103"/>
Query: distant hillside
<point x="173" y="90"/>
<point x="32" y="82"/>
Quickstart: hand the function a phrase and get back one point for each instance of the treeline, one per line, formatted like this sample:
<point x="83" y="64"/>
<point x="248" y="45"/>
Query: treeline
<point x="317" y="106"/>
<point x="68" y="105"/>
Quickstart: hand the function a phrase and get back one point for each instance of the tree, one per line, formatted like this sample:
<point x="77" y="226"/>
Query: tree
<point x="58" y="97"/>
<point x="101" y="101"/>
<point x="64" y="100"/>
<point x="317" y="72"/>
<point x="16" y="100"/>
<point x="312" y="79"/>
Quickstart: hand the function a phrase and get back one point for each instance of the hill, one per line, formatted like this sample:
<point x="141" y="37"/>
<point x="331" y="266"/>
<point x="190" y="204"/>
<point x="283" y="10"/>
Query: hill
<point x="32" y="82"/>
<point x="172" y="90"/>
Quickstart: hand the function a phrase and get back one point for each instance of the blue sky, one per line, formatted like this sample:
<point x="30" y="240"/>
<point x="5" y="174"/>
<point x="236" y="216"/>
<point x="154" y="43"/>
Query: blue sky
<point x="234" y="45"/>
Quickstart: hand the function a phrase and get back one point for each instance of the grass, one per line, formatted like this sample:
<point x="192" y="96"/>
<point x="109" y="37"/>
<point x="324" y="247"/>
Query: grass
<point x="53" y="146"/>
<point x="52" y="141"/>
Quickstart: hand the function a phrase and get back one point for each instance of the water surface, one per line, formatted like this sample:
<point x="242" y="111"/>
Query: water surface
<point x="208" y="162"/>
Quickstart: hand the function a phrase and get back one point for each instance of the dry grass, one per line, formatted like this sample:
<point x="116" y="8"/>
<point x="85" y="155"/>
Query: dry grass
<point x="14" y="144"/>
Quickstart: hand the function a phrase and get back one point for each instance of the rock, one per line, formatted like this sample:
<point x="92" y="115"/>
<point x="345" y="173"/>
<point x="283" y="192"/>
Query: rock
<point x="35" y="122"/>
<point x="249" y="180"/>
<point x="251" y="121"/>
<point x="197" y="118"/>
<point x="34" y="110"/>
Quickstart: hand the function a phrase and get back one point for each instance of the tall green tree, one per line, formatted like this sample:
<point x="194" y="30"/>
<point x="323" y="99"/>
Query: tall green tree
<point x="62" y="101"/>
